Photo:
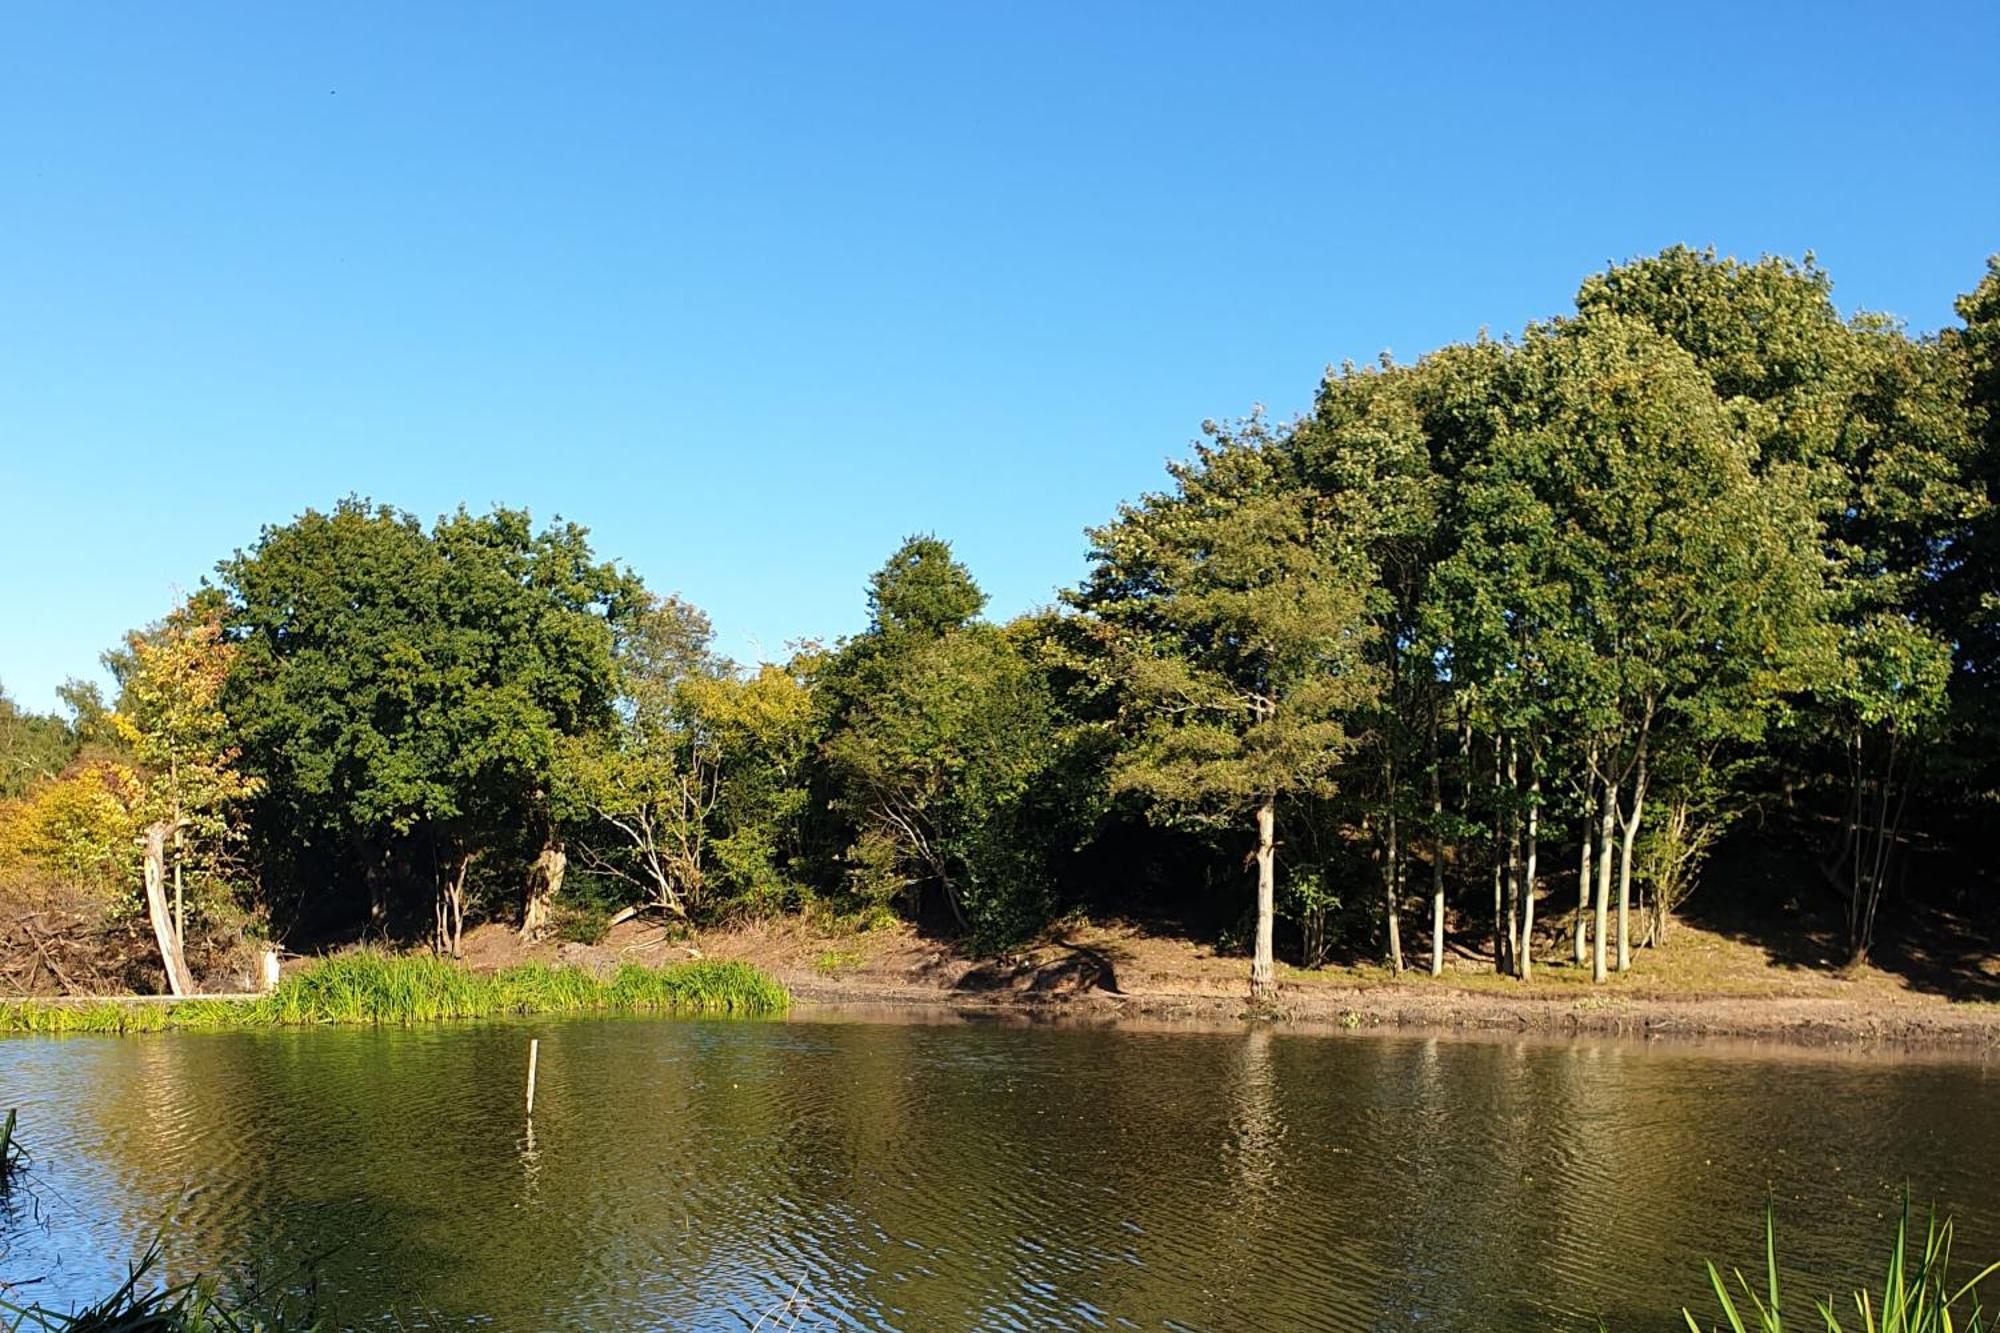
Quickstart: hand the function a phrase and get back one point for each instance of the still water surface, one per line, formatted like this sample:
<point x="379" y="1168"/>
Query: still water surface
<point x="684" y="1174"/>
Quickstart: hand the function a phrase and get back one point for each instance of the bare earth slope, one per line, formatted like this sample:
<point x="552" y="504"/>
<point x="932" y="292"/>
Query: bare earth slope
<point x="1701" y="984"/>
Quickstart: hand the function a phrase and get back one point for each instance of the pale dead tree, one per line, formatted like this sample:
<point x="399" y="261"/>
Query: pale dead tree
<point x="657" y="811"/>
<point x="449" y="906"/>
<point x="179" y="981"/>
<point x="648" y="793"/>
<point x="545" y="881"/>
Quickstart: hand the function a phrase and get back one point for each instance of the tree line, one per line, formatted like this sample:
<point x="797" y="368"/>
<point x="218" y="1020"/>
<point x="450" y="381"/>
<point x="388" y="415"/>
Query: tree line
<point x="1702" y="559"/>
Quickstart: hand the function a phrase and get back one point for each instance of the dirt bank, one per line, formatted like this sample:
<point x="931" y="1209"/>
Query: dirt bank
<point x="1700" y="985"/>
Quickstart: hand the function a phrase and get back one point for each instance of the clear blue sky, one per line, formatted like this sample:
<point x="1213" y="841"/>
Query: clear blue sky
<point x="756" y="290"/>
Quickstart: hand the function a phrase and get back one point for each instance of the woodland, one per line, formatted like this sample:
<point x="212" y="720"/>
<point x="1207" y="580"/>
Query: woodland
<point x="1688" y="597"/>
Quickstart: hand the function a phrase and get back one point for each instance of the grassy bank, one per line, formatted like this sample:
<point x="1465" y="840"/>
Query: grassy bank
<point x="384" y="988"/>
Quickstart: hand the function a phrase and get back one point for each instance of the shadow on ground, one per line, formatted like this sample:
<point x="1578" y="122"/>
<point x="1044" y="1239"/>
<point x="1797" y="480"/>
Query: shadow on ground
<point x="1939" y="942"/>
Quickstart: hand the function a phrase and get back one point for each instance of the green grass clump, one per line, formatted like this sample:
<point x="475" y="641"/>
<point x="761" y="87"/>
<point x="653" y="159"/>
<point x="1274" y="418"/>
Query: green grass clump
<point x="1918" y="1294"/>
<point x="368" y="987"/>
<point x="192" y="1307"/>
<point x="838" y="962"/>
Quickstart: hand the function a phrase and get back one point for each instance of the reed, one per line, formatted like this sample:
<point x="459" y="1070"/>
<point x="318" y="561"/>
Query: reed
<point x="1918" y="1293"/>
<point x="371" y="987"/>
<point x="137" y="1307"/>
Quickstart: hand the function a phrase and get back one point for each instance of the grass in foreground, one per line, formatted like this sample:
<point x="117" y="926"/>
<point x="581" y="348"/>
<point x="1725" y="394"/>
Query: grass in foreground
<point x="370" y="987"/>
<point x="192" y="1307"/>
<point x="1918" y="1293"/>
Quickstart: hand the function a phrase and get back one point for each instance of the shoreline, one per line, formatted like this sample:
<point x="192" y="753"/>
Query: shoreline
<point x="1426" y="1008"/>
<point x="1414" y="1008"/>
<point x="1705" y="988"/>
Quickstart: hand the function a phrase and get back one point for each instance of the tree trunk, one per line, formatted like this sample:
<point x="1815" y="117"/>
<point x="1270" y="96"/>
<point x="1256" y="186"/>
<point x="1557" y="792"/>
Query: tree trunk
<point x="1625" y="861"/>
<point x="1527" y="946"/>
<point x="545" y="881"/>
<point x="1582" y="941"/>
<point x="1607" y="816"/>
<point x="1581" y="944"/>
<point x="1511" y="821"/>
<point x="1392" y="887"/>
<point x="180" y="908"/>
<point x="1263" y="974"/>
<point x="1437" y="860"/>
<point x="1501" y="963"/>
<point x="178" y="980"/>
<point x="1875" y="822"/>
<point x="451" y="908"/>
<point x="1625" y="897"/>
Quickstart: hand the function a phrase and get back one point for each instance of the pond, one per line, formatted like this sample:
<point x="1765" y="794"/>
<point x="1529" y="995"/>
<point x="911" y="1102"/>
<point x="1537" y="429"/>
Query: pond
<point x="833" y="1172"/>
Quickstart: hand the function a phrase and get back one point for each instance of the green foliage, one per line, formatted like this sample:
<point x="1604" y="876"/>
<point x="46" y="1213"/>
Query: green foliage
<point x="762" y="728"/>
<point x="690" y="798"/>
<point x="1877" y="431"/>
<point x="942" y="737"/>
<point x="922" y="591"/>
<point x="837" y="962"/>
<point x="582" y="923"/>
<point x="1234" y="610"/>
<point x="78" y="830"/>
<point x="368" y="987"/>
<point x="33" y="747"/>
<point x="1970" y="582"/>
<point x="170" y="716"/>
<point x="1235" y="637"/>
<point x="1637" y="571"/>
<point x="402" y="693"/>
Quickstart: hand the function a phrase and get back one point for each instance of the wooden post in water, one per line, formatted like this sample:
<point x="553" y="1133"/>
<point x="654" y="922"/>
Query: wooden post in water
<point x="534" y="1050"/>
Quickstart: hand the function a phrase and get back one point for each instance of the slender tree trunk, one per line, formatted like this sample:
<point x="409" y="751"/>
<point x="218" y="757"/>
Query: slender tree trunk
<point x="1877" y="816"/>
<point x="1263" y="973"/>
<point x="1392" y="887"/>
<point x="458" y="904"/>
<point x="1625" y="892"/>
<point x="1498" y="839"/>
<point x="1511" y="821"/>
<point x="1527" y="952"/>
<point x="1607" y="816"/>
<point x="1581" y="943"/>
<point x="179" y="982"/>
<point x="1437" y="858"/>
<point x="450" y="909"/>
<point x="179" y="823"/>
<point x="1857" y="944"/>
<point x="1625" y="859"/>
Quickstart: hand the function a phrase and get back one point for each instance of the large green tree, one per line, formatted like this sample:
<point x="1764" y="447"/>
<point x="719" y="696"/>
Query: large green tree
<point x="402" y="693"/>
<point x="942" y="734"/>
<point x="1235" y="615"/>
<point x="1365" y="455"/>
<point x="1872" y="425"/>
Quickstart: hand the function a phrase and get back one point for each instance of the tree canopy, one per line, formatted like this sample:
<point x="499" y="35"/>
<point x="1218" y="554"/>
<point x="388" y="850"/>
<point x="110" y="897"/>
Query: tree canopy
<point x="1547" y="631"/>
